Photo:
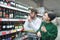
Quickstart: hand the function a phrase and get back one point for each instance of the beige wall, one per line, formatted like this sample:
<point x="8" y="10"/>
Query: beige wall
<point x="53" y="5"/>
<point x="27" y="2"/>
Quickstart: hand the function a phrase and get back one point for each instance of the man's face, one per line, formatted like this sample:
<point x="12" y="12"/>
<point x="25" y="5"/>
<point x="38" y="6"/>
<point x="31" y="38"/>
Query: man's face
<point x="32" y="14"/>
<point x="45" y="17"/>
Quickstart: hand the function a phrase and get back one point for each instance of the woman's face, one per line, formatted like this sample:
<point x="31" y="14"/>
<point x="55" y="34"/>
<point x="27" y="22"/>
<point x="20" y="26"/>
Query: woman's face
<point x="45" y="17"/>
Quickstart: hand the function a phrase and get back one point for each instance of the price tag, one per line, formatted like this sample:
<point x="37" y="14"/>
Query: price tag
<point x="0" y="19"/>
<point x="3" y="33"/>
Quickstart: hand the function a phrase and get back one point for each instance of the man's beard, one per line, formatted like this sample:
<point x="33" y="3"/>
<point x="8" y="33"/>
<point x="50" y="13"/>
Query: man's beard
<point x="32" y="17"/>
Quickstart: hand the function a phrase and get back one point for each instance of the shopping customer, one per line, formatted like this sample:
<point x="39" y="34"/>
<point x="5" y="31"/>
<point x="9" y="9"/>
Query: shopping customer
<point x="47" y="30"/>
<point x="32" y="23"/>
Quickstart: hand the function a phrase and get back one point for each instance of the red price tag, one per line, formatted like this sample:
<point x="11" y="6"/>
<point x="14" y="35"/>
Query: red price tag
<point x="9" y="32"/>
<point x="3" y="33"/>
<point x="21" y="20"/>
<point x="8" y="4"/>
<point x="0" y="19"/>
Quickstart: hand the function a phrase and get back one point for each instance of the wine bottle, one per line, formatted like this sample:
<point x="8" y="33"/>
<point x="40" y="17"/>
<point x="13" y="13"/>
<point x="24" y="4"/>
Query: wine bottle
<point x="11" y="14"/>
<point x="6" y="13"/>
<point x="0" y="12"/>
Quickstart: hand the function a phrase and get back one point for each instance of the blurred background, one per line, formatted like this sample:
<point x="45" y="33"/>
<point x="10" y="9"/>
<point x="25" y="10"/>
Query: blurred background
<point x="50" y="5"/>
<point x="13" y="14"/>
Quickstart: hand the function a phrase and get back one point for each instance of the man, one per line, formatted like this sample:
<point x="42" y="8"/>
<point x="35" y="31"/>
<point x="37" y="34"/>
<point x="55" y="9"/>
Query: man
<point x="47" y="30"/>
<point x="32" y="23"/>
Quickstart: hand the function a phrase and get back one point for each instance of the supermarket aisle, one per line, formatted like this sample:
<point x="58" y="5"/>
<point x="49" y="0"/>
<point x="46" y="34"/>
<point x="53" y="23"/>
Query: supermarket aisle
<point x="58" y="38"/>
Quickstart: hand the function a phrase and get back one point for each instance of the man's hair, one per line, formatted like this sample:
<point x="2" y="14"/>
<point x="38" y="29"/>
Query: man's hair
<point x="34" y="10"/>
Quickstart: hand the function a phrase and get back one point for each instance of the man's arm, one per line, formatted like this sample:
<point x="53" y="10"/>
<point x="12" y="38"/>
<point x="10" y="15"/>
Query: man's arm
<point x="36" y="26"/>
<point x="25" y="26"/>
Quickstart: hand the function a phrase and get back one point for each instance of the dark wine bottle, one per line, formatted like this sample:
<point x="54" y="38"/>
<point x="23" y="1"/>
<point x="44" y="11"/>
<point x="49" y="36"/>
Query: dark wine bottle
<point x="11" y="14"/>
<point x="6" y="13"/>
<point x="3" y="9"/>
<point x="0" y="12"/>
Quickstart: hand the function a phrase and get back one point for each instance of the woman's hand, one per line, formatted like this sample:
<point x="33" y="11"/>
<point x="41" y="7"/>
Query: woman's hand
<point x="39" y="34"/>
<point x="43" y="29"/>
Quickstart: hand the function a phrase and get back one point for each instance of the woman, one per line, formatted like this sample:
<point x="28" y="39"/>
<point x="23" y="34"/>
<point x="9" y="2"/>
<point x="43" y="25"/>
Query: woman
<point x="47" y="30"/>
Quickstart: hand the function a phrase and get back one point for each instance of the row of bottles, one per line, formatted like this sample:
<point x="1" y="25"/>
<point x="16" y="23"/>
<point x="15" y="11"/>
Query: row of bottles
<point x="6" y="26"/>
<point x="8" y="36"/>
<point x="8" y="2"/>
<point x="8" y="13"/>
<point x="10" y="25"/>
<point x="11" y="3"/>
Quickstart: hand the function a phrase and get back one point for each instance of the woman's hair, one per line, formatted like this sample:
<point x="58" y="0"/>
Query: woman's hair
<point x="51" y="15"/>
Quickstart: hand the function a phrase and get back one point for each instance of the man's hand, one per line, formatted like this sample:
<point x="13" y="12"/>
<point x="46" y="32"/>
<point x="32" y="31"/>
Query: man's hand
<point x="29" y="19"/>
<point x="39" y="34"/>
<point x="43" y="29"/>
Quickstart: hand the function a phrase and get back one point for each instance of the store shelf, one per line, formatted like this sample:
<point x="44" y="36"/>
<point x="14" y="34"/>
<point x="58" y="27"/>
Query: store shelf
<point x="18" y="30"/>
<point x="21" y="6"/>
<point x="13" y="8"/>
<point x="4" y="19"/>
<point x="9" y="32"/>
<point x="16" y="19"/>
<point x="10" y="26"/>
